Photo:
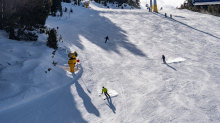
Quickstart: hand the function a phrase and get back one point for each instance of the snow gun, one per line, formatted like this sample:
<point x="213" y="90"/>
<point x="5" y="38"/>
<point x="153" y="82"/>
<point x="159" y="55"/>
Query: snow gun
<point x="72" y="60"/>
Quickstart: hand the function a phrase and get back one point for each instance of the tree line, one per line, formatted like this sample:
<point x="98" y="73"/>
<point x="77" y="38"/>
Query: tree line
<point x="208" y="9"/>
<point x="20" y="18"/>
<point x="135" y="3"/>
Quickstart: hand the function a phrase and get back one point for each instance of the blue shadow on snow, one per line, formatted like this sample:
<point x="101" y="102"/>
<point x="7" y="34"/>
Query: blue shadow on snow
<point x="95" y="30"/>
<point x="111" y="106"/>
<point x="185" y="25"/>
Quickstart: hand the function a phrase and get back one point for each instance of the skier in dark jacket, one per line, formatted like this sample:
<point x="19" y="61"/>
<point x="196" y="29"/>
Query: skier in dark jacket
<point x="105" y="92"/>
<point x="106" y="38"/>
<point x="163" y="57"/>
<point x="165" y="14"/>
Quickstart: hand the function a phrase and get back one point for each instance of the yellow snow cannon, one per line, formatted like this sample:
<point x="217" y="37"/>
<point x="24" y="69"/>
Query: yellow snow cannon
<point x="72" y="60"/>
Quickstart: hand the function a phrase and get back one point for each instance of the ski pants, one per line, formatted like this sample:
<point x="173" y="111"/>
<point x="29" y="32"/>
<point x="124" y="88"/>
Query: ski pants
<point x="106" y="94"/>
<point x="106" y="40"/>
<point x="164" y="61"/>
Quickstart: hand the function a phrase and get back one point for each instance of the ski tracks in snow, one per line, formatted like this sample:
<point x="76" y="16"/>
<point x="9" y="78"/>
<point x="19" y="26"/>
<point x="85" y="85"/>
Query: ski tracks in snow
<point x="125" y="107"/>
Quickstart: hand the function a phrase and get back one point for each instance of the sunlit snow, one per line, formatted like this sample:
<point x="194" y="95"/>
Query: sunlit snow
<point x="129" y="65"/>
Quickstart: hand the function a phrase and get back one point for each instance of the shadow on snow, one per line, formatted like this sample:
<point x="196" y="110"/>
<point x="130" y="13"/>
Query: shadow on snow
<point x="57" y="106"/>
<point x="111" y="106"/>
<point x="82" y="94"/>
<point x="186" y="25"/>
<point x="95" y="30"/>
<point x="171" y="67"/>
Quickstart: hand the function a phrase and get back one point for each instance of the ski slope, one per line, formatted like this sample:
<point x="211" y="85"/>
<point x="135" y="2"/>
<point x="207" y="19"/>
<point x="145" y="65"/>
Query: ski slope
<point x="187" y="89"/>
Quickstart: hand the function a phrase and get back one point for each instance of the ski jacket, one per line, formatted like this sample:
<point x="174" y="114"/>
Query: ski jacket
<point x="104" y="90"/>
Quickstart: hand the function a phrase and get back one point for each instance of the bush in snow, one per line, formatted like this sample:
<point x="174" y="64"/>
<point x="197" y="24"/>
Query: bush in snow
<point x="67" y="1"/>
<point x="65" y="9"/>
<point x="105" y="3"/>
<point x="71" y="10"/>
<point x="52" y="39"/>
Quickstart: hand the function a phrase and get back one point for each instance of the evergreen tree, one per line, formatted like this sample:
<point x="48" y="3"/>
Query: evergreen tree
<point x="105" y="3"/>
<point x="24" y="16"/>
<point x="212" y="9"/>
<point x="71" y="10"/>
<point x="56" y="6"/>
<point x="65" y="9"/>
<point x="52" y="39"/>
<point x="67" y="1"/>
<point x="1" y="14"/>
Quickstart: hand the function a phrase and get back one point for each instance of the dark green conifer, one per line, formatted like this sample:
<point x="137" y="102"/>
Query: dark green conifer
<point x="52" y="39"/>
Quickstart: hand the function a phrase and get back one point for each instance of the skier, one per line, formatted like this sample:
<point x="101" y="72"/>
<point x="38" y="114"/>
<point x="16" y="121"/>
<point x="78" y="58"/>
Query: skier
<point x="149" y="9"/>
<point x="165" y="14"/>
<point x="106" y="38"/>
<point x="163" y="57"/>
<point x="171" y="16"/>
<point x="105" y="92"/>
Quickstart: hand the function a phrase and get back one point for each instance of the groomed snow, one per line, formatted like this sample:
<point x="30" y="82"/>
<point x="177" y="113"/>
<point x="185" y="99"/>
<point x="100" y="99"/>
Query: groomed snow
<point x="187" y="89"/>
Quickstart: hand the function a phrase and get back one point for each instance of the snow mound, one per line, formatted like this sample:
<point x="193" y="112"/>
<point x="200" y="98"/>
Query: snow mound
<point x="176" y="60"/>
<point x="113" y="93"/>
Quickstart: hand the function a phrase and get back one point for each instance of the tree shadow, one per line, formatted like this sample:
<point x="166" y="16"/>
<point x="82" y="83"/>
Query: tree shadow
<point x="57" y="106"/>
<point x="82" y="94"/>
<point x="171" y="19"/>
<point x="111" y="106"/>
<point x="171" y="67"/>
<point x="86" y="100"/>
<point x="95" y="30"/>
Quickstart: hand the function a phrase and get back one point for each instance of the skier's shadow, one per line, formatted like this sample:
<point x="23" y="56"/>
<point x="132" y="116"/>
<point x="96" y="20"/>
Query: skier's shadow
<point x="111" y="106"/>
<point x="171" y="67"/>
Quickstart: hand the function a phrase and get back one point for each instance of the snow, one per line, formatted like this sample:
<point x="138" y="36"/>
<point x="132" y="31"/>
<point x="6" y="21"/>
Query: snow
<point x="176" y="60"/>
<point x="187" y="89"/>
<point x="166" y="4"/>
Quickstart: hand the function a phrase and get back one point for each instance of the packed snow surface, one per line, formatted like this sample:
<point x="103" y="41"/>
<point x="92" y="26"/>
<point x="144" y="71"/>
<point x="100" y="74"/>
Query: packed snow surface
<point x="129" y="65"/>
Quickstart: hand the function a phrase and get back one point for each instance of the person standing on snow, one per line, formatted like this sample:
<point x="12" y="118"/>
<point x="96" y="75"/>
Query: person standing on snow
<point x="105" y="92"/>
<point x="106" y="38"/>
<point x="163" y="57"/>
<point x="165" y="14"/>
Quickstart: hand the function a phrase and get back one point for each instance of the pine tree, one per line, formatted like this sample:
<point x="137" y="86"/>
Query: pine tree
<point x="56" y="6"/>
<point x="23" y="15"/>
<point x="212" y="9"/>
<point x="52" y="39"/>
<point x="1" y="14"/>
<point x="68" y="1"/>
<point x="105" y="3"/>
<point x="71" y="10"/>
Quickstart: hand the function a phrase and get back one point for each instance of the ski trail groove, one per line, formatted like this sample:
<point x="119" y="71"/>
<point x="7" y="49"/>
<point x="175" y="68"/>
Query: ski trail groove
<point x="124" y="105"/>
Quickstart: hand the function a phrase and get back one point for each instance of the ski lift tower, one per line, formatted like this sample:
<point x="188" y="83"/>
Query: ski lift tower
<point x="155" y="6"/>
<point x="151" y="5"/>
